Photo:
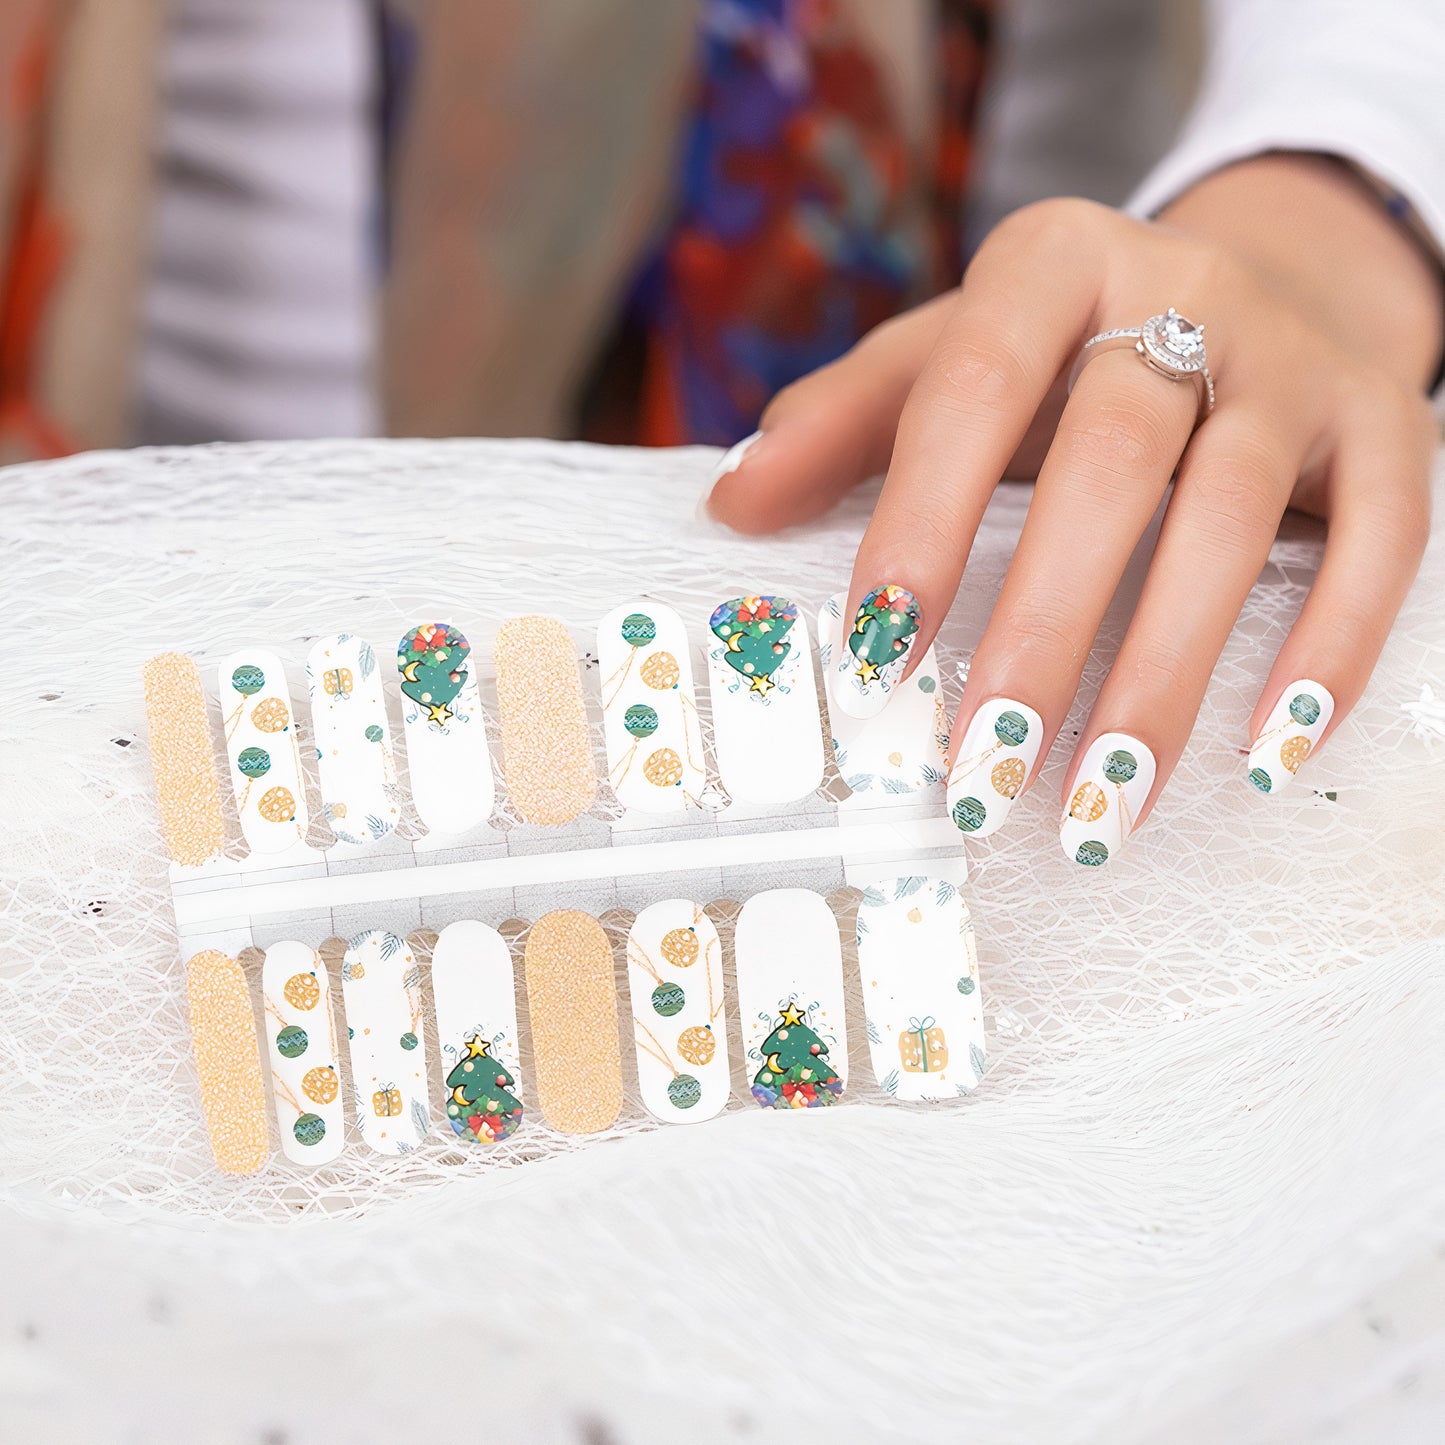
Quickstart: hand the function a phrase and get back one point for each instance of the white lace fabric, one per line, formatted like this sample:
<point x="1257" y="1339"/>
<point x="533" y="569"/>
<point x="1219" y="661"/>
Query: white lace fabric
<point x="1213" y="1107"/>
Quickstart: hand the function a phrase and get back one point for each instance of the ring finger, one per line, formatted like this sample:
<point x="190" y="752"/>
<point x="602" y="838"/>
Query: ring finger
<point x="1120" y="437"/>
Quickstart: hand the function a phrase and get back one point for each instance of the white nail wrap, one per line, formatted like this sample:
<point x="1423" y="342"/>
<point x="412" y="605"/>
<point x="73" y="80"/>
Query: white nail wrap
<point x="649" y="709"/>
<point x="919" y="968"/>
<point x="790" y="997"/>
<point x="301" y="1045"/>
<point x="1290" y="734"/>
<point x="476" y="1004"/>
<point x="766" y="726"/>
<point x="261" y="745"/>
<point x="446" y="735"/>
<point x="381" y="987"/>
<point x="674" y="967"/>
<point x="353" y="739"/>
<point x="1111" y="787"/>
<point x="862" y="682"/>
<point x="994" y="760"/>
<point x="900" y="751"/>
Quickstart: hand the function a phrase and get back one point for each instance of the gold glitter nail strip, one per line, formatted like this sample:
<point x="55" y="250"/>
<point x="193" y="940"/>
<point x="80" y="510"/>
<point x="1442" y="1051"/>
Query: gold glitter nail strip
<point x="182" y="757"/>
<point x="547" y="752"/>
<point x="228" y="1060"/>
<point x="573" y="1001"/>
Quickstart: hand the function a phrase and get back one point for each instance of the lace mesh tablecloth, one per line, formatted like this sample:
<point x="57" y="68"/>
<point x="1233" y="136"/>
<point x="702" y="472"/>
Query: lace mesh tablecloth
<point x="1213" y="1113"/>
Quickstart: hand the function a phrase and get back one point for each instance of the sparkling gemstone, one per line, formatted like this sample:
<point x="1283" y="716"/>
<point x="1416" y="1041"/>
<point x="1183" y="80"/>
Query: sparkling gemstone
<point x="1182" y="336"/>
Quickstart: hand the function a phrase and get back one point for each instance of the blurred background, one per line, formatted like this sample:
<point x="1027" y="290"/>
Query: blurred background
<point x="624" y="220"/>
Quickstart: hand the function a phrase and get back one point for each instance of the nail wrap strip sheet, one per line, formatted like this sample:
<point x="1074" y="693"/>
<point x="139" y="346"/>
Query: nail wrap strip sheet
<point x="546" y="746"/>
<point x="301" y="1043"/>
<point x="359" y="793"/>
<point x="228" y="1061"/>
<point x="381" y="987"/>
<point x="474" y="993"/>
<point x="262" y="747"/>
<point x="900" y="751"/>
<point x="790" y="997"/>
<point x="919" y="970"/>
<point x="766" y="727"/>
<point x="674" y="962"/>
<point x="649" y="711"/>
<point x="573" y="1005"/>
<point x="182" y="756"/>
<point x="445" y="730"/>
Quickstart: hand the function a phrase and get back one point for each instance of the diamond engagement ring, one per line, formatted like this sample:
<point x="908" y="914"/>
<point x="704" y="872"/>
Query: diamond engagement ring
<point x="1170" y="344"/>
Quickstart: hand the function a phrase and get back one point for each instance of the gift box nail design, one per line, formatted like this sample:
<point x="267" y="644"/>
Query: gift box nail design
<point x="1110" y="789"/>
<point x="1290" y="734"/>
<point x="994" y="761"/>
<point x="869" y="666"/>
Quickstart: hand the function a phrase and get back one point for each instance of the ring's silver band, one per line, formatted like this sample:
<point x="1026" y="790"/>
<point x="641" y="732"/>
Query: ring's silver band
<point x="1132" y="337"/>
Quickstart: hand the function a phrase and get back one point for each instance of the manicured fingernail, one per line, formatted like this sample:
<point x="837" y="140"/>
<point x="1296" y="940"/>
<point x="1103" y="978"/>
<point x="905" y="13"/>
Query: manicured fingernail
<point x="1289" y="734"/>
<point x="994" y="760"/>
<point x="875" y="650"/>
<point x="1111" y="788"/>
<point x="732" y="460"/>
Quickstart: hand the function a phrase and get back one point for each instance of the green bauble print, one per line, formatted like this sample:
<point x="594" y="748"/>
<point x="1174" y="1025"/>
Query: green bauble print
<point x="668" y="999"/>
<point x="965" y="985"/>
<point x="1092" y="854"/>
<point x="291" y="1042"/>
<point x="1261" y="779"/>
<point x="248" y="679"/>
<point x="640" y="720"/>
<point x="253" y="763"/>
<point x="408" y="1040"/>
<point x="1011" y="728"/>
<point x="1304" y="709"/>
<point x="638" y="629"/>
<point x="374" y="733"/>
<point x="684" y="1091"/>
<point x="1120" y="766"/>
<point x="309" y="1129"/>
<point x="969" y="815"/>
<point x="926" y="683"/>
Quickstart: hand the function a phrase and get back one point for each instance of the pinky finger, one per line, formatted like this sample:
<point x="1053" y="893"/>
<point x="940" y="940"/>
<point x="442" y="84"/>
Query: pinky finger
<point x="1378" y="524"/>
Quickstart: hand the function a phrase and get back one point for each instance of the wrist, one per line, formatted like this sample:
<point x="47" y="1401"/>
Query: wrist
<point x="1313" y="227"/>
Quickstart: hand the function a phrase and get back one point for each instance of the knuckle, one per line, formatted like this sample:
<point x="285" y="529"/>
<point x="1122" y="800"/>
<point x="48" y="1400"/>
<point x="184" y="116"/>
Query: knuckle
<point x="1040" y="635"/>
<point x="1240" y="498"/>
<point x="1122" y="438"/>
<point x="976" y="372"/>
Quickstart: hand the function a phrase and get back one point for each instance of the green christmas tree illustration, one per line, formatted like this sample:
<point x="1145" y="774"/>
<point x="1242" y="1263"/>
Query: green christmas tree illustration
<point x="796" y="1073"/>
<point x="480" y="1103"/>
<point x="885" y="621"/>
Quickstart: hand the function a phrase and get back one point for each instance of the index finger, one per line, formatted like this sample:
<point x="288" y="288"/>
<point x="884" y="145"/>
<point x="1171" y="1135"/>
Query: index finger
<point x="1025" y="303"/>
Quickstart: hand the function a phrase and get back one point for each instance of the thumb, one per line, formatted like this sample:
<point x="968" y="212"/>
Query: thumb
<point x="826" y="433"/>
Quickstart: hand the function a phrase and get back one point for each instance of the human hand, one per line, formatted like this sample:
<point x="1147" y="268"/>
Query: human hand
<point x="1323" y="325"/>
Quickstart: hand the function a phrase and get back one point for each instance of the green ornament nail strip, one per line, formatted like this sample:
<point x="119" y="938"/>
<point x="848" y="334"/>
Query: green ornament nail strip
<point x="1290" y="734"/>
<point x="1110" y="789"/>
<point x="994" y="761"/>
<point x="301" y="1038"/>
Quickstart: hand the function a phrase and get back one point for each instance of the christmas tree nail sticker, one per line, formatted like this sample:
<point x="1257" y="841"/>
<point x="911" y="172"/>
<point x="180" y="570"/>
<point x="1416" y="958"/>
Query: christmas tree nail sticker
<point x="790" y="997"/>
<point x="185" y="767"/>
<point x="674" y="967"/>
<point x="359" y="791"/>
<point x="766" y="726"/>
<point x="228" y="1062"/>
<point x="649" y="713"/>
<point x="301" y="1042"/>
<point x="546" y="744"/>
<point x="446" y="734"/>
<point x="1290" y="734"/>
<point x="381" y="988"/>
<point x="265" y="757"/>
<point x="1111" y="787"/>
<point x="572" y="999"/>
<point x="994" y="760"/>
<point x="895" y="754"/>
<point x="866" y="671"/>
<point x="472" y="985"/>
<point x="918" y="963"/>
